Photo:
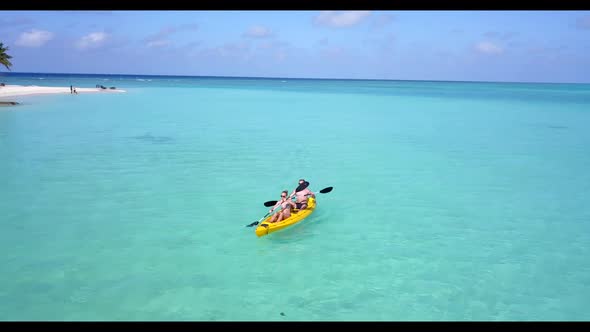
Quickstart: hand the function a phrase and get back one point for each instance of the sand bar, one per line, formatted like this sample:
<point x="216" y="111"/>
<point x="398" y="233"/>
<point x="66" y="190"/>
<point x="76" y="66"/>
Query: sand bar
<point x="8" y="91"/>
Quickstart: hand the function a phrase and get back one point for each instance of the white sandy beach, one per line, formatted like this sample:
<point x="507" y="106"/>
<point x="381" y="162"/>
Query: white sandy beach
<point x="22" y="90"/>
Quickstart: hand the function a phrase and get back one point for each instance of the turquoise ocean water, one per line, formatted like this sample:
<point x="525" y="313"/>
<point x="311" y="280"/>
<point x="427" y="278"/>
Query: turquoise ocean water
<point x="451" y="201"/>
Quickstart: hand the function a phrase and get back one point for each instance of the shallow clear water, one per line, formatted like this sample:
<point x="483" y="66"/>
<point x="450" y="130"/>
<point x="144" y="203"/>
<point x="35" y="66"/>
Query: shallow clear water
<point x="451" y="201"/>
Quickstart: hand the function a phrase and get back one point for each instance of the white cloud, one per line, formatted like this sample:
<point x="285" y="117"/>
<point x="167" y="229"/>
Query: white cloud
<point x="92" y="40"/>
<point x="162" y="38"/>
<point x="34" y="38"/>
<point x="340" y="19"/>
<point x="158" y="43"/>
<point x="488" y="48"/>
<point x="258" y="32"/>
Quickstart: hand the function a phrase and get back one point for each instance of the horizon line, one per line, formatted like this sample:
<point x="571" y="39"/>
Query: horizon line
<point x="299" y="78"/>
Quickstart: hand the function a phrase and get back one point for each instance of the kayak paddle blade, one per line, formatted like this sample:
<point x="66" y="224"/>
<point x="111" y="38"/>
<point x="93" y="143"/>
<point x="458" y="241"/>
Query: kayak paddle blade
<point x="326" y="190"/>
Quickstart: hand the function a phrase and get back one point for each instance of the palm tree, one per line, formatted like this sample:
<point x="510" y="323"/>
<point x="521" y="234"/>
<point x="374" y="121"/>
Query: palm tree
<point x="4" y="58"/>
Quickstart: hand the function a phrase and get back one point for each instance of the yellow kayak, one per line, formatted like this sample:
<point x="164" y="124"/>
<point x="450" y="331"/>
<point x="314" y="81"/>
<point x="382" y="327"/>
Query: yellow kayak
<point x="267" y="227"/>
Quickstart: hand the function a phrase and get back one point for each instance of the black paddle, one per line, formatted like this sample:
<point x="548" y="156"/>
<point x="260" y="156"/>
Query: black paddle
<point x="257" y="222"/>
<point x="323" y="191"/>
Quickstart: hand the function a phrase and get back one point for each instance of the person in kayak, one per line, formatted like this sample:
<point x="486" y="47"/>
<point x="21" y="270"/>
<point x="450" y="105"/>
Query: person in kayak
<point x="302" y="193"/>
<point x="285" y="204"/>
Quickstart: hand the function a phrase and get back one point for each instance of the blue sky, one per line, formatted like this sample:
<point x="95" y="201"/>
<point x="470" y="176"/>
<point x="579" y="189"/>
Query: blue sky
<point x="521" y="46"/>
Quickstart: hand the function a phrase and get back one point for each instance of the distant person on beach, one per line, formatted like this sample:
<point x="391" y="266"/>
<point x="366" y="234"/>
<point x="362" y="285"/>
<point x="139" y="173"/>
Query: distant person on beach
<point x="285" y="204"/>
<point x="71" y="89"/>
<point x="302" y="193"/>
<point x="76" y="92"/>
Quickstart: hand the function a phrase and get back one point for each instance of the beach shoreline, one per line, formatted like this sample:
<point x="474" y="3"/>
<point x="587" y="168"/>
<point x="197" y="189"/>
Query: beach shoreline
<point x="10" y="91"/>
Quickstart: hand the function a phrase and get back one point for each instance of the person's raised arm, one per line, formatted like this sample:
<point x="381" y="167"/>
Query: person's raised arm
<point x="274" y="207"/>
